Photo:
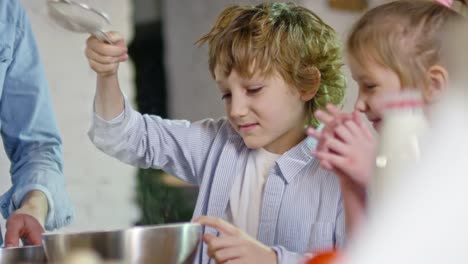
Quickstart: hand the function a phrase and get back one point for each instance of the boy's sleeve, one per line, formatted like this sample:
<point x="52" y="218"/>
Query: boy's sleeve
<point x="288" y="257"/>
<point x="178" y="147"/>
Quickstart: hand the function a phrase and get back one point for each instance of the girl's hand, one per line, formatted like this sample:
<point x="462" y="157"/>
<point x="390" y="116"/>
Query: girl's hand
<point x="330" y="120"/>
<point x="104" y="58"/>
<point x="351" y="152"/>
<point x="233" y="245"/>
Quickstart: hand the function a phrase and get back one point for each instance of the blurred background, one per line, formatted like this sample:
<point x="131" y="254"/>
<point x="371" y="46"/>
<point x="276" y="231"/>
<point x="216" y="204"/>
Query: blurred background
<point x="167" y="75"/>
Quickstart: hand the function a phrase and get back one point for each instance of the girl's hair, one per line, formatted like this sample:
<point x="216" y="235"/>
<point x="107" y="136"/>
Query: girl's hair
<point x="405" y="36"/>
<point x="281" y="37"/>
<point x="461" y="7"/>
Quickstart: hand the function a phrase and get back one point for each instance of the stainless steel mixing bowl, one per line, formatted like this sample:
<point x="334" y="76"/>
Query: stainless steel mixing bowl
<point x="173" y="243"/>
<point x="26" y="254"/>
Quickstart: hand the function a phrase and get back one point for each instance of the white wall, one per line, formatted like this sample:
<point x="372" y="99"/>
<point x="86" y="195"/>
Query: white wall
<point x="101" y="188"/>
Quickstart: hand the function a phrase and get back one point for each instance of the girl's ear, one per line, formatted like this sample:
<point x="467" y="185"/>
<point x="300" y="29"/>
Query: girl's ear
<point x="438" y="82"/>
<point x="314" y="77"/>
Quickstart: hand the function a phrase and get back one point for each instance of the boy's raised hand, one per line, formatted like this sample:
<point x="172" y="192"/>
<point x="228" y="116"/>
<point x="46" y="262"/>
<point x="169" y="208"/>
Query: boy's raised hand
<point x="233" y="246"/>
<point x="104" y="58"/>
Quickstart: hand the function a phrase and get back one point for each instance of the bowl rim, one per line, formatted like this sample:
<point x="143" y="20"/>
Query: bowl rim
<point x="171" y="225"/>
<point x="46" y="236"/>
<point x="25" y="247"/>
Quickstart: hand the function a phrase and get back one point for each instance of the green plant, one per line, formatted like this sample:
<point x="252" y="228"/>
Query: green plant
<point x="160" y="203"/>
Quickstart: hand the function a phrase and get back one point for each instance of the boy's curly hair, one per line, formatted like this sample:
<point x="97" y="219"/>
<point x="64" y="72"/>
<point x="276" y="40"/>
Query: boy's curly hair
<point x="281" y="37"/>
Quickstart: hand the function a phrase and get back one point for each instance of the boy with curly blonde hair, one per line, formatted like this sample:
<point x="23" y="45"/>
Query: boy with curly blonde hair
<point x="263" y="198"/>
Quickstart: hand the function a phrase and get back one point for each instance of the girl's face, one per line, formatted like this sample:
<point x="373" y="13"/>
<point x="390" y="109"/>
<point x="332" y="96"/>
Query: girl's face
<point x="265" y="111"/>
<point x="375" y="81"/>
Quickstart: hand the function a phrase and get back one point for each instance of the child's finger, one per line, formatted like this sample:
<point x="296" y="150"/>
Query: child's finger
<point x="92" y="55"/>
<point x="216" y="244"/>
<point x="116" y="38"/>
<point x="218" y="224"/>
<point x="364" y="128"/>
<point x="314" y="133"/>
<point x="332" y="160"/>
<point x="337" y="146"/>
<point x="323" y="117"/>
<point x="227" y="255"/>
<point x="123" y="57"/>
<point x="357" y="118"/>
<point x="343" y="133"/>
<point x="105" y="49"/>
<point x="335" y="111"/>
<point x="326" y="165"/>
<point x="102" y="68"/>
<point x="338" y="114"/>
<point x="353" y="128"/>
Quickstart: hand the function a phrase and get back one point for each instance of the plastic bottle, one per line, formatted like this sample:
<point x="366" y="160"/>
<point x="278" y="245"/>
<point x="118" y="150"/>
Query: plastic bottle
<point x="403" y="129"/>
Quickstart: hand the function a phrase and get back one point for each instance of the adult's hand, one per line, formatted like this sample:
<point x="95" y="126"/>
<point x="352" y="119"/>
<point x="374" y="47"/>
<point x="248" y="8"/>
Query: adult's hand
<point x="27" y="223"/>
<point x="25" y="227"/>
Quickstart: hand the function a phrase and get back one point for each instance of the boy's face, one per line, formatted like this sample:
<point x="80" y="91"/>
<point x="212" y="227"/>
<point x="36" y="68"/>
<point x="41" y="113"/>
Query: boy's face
<point x="265" y="111"/>
<point x="375" y="81"/>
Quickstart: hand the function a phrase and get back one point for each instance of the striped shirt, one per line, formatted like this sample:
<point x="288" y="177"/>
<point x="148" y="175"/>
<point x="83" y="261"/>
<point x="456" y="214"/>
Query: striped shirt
<point x="301" y="209"/>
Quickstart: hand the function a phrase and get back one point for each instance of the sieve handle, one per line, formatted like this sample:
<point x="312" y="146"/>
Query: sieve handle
<point x="102" y="36"/>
